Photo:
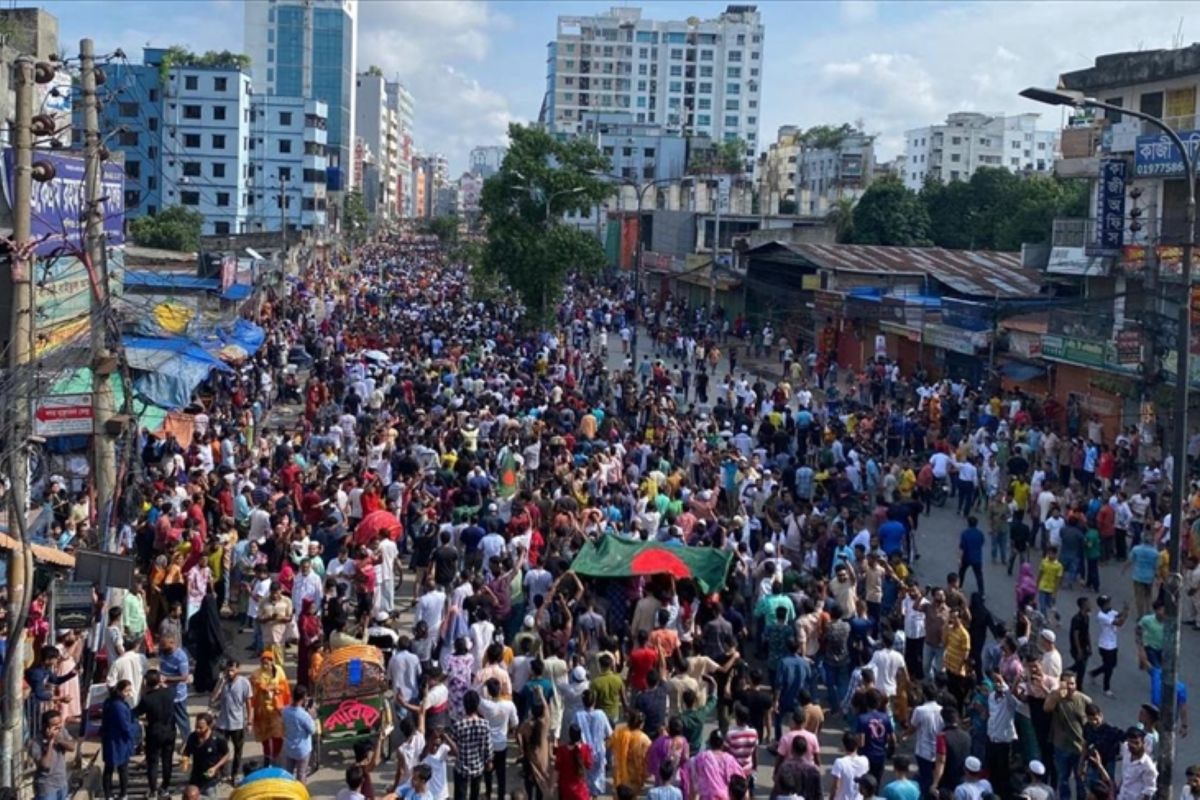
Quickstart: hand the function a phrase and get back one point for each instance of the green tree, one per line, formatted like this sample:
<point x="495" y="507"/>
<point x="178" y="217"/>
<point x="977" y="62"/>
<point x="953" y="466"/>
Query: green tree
<point x="173" y="228"/>
<point x="354" y="215"/>
<point x="888" y="213"/>
<point x="826" y="136"/>
<point x="726" y="158"/>
<point x="841" y="217"/>
<point x="541" y="178"/>
<point x="445" y="228"/>
<point x="950" y="208"/>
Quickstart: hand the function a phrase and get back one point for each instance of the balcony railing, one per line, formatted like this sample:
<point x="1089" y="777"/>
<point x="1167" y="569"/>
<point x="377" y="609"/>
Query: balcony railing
<point x="1073" y="233"/>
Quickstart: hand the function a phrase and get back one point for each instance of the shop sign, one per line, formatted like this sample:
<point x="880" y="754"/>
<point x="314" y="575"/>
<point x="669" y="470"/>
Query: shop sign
<point x="1025" y="345"/>
<point x="1087" y="352"/>
<point x="1110" y="207"/>
<point x="1129" y="346"/>
<point x="1156" y="156"/>
<point x="952" y="339"/>
<point x="73" y="605"/>
<point x="1135" y="258"/>
<point x="1076" y="261"/>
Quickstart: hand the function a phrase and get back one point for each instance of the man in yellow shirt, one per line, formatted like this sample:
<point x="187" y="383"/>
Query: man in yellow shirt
<point x="908" y="479"/>
<point x="1050" y="575"/>
<point x="957" y="656"/>
<point x="629" y="745"/>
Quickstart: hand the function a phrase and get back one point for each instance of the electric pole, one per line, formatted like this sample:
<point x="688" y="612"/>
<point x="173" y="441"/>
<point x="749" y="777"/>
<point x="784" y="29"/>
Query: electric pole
<point x="20" y="566"/>
<point x="104" y="456"/>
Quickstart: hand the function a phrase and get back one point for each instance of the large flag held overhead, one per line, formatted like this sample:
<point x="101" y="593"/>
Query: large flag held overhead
<point x="613" y="557"/>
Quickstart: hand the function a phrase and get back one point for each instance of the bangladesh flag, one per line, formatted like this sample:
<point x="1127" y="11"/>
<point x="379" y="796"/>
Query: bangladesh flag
<point x="613" y="557"/>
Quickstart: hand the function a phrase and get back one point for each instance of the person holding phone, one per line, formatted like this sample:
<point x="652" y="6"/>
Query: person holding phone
<point x="48" y="750"/>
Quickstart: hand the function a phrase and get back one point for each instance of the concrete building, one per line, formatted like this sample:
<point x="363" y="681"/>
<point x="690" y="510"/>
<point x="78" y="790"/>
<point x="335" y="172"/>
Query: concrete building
<point x="205" y="136"/>
<point x="136" y="114"/>
<point x="969" y="140"/>
<point x="421" y="187"/>
<point x="470" y="188"/>
<point x="33" y="32"/>
<point x="288" y="163"/>
<point x="400" y="101"/>
<point x="377" y="125"/>
<point x="445" y="203"/>
<point x="485" y="160"/>
<point x="777" y="172"/>
<point x="694" y="77"/>
<point x="638" y="151"/>
<point x="832" y="171"/>
<point x="308" y="48"/>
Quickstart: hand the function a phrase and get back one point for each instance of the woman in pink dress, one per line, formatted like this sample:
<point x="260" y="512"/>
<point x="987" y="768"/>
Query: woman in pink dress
<point x="70" y="645"/>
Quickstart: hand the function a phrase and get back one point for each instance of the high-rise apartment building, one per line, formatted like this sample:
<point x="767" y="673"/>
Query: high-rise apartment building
<point x="378" y="125"/>
<point x="288" y="162"/>
<point x="400" y="101"/>
<point x="694" y="77"/>
<point x="969" y="140"/>
<point x="308" y="48"/>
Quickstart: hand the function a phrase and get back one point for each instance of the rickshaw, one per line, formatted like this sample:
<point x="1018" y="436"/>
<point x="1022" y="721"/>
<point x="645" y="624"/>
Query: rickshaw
<point x="270" y="783"/>
<point x="352" y="699"/>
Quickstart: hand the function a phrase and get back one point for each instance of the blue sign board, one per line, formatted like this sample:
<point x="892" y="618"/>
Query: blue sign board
<point x="1110" y="206"/>
<point x="59" y="204"/>
<point x="1156" y="156"/>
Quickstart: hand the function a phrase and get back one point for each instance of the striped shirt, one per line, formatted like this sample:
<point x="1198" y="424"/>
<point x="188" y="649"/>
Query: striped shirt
<point x="741" y="742"/>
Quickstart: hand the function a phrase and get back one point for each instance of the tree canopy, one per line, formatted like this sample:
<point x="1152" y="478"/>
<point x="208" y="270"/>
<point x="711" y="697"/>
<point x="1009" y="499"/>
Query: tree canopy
<point x="354" y="215"/>
<point x="445" y="228"/>
<point x="173" y="228"/>
<point x="540" y="179"/>
<point x="994" y="210"/>
<point x="727" y="157"/>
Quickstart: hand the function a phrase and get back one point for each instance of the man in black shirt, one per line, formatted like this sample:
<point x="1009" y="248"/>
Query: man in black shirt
<point x="445" y="561"/>
<point x="158" y="707"/>
<point x="208" y="752"/>
<point x="1081" y="639"/>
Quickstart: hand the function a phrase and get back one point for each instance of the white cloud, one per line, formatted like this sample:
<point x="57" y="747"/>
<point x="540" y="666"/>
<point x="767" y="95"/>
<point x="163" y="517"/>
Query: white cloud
<point x="432" y="48"/>
<point x="928" y="60"/>
<point x="854" y="12"/>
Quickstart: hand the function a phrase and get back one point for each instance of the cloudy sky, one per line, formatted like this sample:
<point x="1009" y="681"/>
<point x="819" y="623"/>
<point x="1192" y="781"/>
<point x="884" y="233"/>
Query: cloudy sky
<point x="474" y="66"/>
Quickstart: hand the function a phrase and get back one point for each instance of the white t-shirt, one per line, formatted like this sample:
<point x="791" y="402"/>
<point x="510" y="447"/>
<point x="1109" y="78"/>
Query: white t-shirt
<point x="1106" y="638"/>
<point x="430" y="607"/>
<point x="437" y="785"/>
<point x="258" y="592"/>
<point x="1054" y="527"/>
<point x="848" y="769"/>
<point x="887" y="664"/>
<point x="941" y="464"/>
<point x="388" y="553"/>
<point x="501" y="715"/>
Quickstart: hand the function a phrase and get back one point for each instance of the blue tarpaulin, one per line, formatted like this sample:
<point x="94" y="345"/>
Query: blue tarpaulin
<point x="237" y="292"/>
<point x="169" y="370"/>
<point x="145" y="279"/>
<point x="245" y="334"/>
<point x="1021" y="372"/>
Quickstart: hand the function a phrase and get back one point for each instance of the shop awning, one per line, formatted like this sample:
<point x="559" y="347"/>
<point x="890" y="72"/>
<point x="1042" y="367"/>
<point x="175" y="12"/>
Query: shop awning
<point x="237" y="292"/>
<point x="613" y="557"/>
<point x="1020" y="372"/>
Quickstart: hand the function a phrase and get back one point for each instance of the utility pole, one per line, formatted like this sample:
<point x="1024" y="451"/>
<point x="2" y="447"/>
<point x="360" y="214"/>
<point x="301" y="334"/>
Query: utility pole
<point x="104" y="455"/>
<point x="20" y="565"/>
<point x="283" y="204"/>
<point x="716" y="252"/>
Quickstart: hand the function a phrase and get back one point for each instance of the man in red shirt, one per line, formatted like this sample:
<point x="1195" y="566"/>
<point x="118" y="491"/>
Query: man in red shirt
<point x="642" y="659"/>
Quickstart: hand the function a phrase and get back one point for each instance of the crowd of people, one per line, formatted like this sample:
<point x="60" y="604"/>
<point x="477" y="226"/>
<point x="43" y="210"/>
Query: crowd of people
<point x="501" y="449"/>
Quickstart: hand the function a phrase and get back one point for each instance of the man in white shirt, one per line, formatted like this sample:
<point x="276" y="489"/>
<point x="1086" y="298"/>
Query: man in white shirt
<point x="501" y="716"/>
<point x="887" y="664"/>
<point x="847" y="770"/>
<point x="431" y="606"/>
<point x="260" y="525"/>
<point x="388" y="555"/>
<point x="1139" y="774"/>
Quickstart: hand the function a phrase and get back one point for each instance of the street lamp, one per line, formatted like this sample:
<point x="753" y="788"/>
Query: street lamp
<point x="1059" y="97"/>
<point x="640" y="189"/>
<point x="534" y="191"/>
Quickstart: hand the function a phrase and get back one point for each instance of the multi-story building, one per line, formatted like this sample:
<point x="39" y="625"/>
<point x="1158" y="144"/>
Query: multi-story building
<point x="205" y="139"/>
<point x="288" y="139"/>
<point x="840" y="168"/>
<point x="135" y="113"/>
<point x="470" y="188"/>
<point x="308" y="48"/>
<point x="400" y="101"/>
<point x="969" y="140"/>
<point x="638" y="151"/>
<point x="778" y="170"/>
<point x="486" y="160"/>
<point x="694" y="77"/>
<point x="378" y="126"/>
<point x="421" y="187"/>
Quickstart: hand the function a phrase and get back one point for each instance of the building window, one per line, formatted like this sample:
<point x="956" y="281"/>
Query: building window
<point x="676" y="70"/>
<point x="733" y="88"/>
<point x="704" y="103"/>
<point x="218" y="169"/>
<point x="285" y="118"/>
<point x="191" y="169"/>
<point x="733" y="72"/>
<point x="752" y="121"/>
<point x="220" y="84"/>
<point x="706" y="72"/>
<point x="676" y="54"/>
<point x="127" y="109"/>
<point x="706" y="55"/>
<point x="189" y="198"/>
<point x="133" y="169"/>
<point x="131" y="198"/>
<point x="152" y="183"/>
<point x="154" y="95"/>
<point x="285" y="145"/>
<point x="191" y="112"/>
<point x="754" y="55"/>
<point x="218" y="141"/>
<point x="648" y="152"/>
<point x="703" y="119"/>
<point x="191" y="82"/>
<point x="731" y="121"/>
<point x="675" y="86"/>
<point x="127" y="138"/>
<point x="152" y="124"/>
<point x="221" y="228"/>
<point x="732" y="105"/>
<point x="153" y="152"/>
<point x="735" y="56"/>
<point x="223" y="199"/>
<point x="705" y="88"/>
<point x="955" y="157"/>
<point x="955" y="140"/>
<point x="218" y="112"/>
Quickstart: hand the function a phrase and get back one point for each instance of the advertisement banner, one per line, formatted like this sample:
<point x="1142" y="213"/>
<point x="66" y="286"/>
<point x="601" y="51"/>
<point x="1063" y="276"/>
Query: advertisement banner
<point x="1087" y="352"/>
<point x="58" y="205"/>
<point x="1110" y="207"/>
<point x="827" y="305"/>
<point x="1135" y="258"/>
<point x="1156" y="156"/>
<point x="1129" y="345"/>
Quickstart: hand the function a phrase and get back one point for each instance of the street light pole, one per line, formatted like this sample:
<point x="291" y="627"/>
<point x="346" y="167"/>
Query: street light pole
<point x="1179" y="434"/>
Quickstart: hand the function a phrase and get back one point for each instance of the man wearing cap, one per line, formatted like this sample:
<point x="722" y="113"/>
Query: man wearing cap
<point x="974" y="786"/>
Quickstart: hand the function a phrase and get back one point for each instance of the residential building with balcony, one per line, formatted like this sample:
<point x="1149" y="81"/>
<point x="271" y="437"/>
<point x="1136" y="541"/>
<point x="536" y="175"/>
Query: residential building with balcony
<point x="778" y="170"/>
<point x="377" y="124"/>
<point x="135" y="116"/>
<point x="289" y="163"/>
<point x="400" y="101"/>
<point x="833" y="170"/>
<point x="694" y="77"/>
<point x="969" y="140"/>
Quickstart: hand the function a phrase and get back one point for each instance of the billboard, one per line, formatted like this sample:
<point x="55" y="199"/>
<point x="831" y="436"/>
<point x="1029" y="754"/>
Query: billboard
<point x="1156" y="156"/>
<point x="58" y="204"/>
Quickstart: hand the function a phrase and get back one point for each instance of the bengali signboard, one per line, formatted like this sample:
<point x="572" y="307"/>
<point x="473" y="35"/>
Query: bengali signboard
<point x="1156" y="156"/>
<point x="827" y="305"/>
<point x="1088" y="352"/>
<point x="1136" y="257"/>
<point x="1129" y="346"/>
<point x="58" y="205"/>
<point x="1110" y="207"/>
<point x="63" y="415"/>
<point x="955" y="340"/>
<point x="73" y="605"/>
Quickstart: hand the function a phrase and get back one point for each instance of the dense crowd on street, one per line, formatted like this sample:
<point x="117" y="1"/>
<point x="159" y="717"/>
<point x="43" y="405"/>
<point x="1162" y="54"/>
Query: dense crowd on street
<point x="502" y="450"/>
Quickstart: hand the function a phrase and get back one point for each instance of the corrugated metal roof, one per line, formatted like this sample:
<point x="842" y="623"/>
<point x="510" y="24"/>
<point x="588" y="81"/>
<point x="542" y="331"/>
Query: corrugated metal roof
<point x="970" y="272"/>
